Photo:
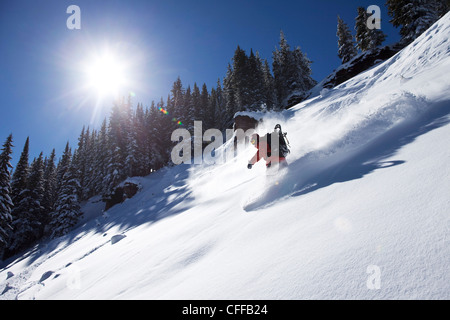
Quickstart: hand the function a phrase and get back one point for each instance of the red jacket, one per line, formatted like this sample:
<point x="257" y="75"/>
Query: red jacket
<point x="264" y="152"/>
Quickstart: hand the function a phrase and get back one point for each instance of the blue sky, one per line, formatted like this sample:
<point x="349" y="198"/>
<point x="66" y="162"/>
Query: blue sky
<point x="42" y="88"/>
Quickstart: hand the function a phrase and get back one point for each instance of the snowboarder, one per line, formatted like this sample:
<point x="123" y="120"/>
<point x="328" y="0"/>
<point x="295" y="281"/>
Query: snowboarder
<point x="263" y="144"/>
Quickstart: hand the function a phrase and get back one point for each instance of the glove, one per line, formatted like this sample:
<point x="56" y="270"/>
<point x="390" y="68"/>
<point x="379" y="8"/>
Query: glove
<point x="249" y="166"/>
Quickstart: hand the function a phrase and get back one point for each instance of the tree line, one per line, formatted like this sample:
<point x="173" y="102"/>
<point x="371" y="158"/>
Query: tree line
<point x="412" y="16"/>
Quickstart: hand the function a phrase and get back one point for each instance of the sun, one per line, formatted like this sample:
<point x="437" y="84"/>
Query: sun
<point x="105" y="74"/>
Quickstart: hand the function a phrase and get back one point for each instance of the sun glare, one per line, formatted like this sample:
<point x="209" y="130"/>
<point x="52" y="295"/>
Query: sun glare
<point x="105" y="74"/>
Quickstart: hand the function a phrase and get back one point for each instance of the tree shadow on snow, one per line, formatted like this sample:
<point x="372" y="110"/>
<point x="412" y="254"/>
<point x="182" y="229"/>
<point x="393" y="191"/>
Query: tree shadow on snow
<point x="165" y="193"/>
<point x="313" y="172"/>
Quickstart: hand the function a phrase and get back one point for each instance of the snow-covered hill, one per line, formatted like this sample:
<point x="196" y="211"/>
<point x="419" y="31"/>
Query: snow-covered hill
<point x="361" y="213"/>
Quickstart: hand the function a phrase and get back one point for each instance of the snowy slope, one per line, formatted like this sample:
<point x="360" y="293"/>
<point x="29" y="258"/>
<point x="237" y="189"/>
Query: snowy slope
<point x="361" y="213"/>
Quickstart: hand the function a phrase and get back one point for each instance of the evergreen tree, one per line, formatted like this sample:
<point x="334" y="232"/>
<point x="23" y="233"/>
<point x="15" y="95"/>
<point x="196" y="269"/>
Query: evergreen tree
<point x="292" y="72"/>
<point x="100" y="160"/>
<point x="415" y="16"/>
<point x="20" y="176"/>
<point x="240" y="80"/>
<point x="346" y="43"/>
<point x="188" y="119"/>
<point x="443" y="7"/>
<point x="175" y="103"/>
<point x="229" y="95"/>
<point x="367" y="39"/>
<point x="88" y="189"/>
<point x="205" y="107"/>
<point x="376" y="38"/>
<point x="362" y="39"/>
<point x="270" y="98"/>
<point x="18" y="188"/>
<point x="304" y="70"/>
<point x="6" y="204"/>
<point x="63" y="165"/>
<point x="150" y="140"/>
<point x="220" y="105"/>
<point x="161" y="136"/>
<point x="213" y="110"/>
<point x="80" y="158"/>
<point x="255" y="84"/>
<point x="27" y="220"/>
<point x="50" y="186"/>
<point x="132" y="159"/>
<point x="117" y="145"/>
<point x="117" y="142"/>
<point x="140" y="135"/>
<point x="67" y="209"/>
<point x="196" y="103"/>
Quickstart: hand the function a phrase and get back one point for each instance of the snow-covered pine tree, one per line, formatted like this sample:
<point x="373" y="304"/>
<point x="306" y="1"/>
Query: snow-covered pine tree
<point x="20" y="176"/>
<point x="282" y="65"/>
<point x="119" y="126"/>
<point x="152" y="152"/>
<point x="362" y="39"/>
<point x="209" y="117"/>
<point x="220" y="107"/>
<point x="240" y="80"/>
<point x="50" y="185"/>
<point x="367" y="39"/>
<point x="204" y="106"/>
<point x="89" y="186"/>
<point x="443" y="7"/>
<point x="6" y="203"/>
<point x="117" y="137"/>
<point x="292" y="72"/>
<point x="132" y="159"/>
<point x="149" y="143"/>
<point x="100" y="159"/>
<point x="63" y="166"/>
<point x="270" y="97"/>
<point x="27" y="219"/>
<point x="415" y="16"/>
<point x="18" y="186"/>
<point x="175" y="103"/>
<point x="114" y="169"/>
<point x="139" y="127"/>
<point x="188" y="120"/>
<point x="213" y="110"/>
<point x="304" y="70"/>
<point x="195" y="95"/>
<point x="80" y="159"/>
<point x="346" y="43"/>
<point x="376" y="38"/>
<point x="229" y="95"/>
<point x="255" y="82"/>
<point x="67" y="209"/>
<point x="159" y="139"/>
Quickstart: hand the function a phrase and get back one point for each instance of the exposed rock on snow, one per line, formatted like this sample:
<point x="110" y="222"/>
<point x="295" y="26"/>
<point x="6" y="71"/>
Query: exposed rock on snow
<point x="116" y="238"/>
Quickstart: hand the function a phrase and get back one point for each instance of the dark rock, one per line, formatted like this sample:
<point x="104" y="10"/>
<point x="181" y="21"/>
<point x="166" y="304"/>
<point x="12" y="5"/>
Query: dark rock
<point x="120" y="193"/>
<point x="245" y="122"/>
<point x="360" y="64"/>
